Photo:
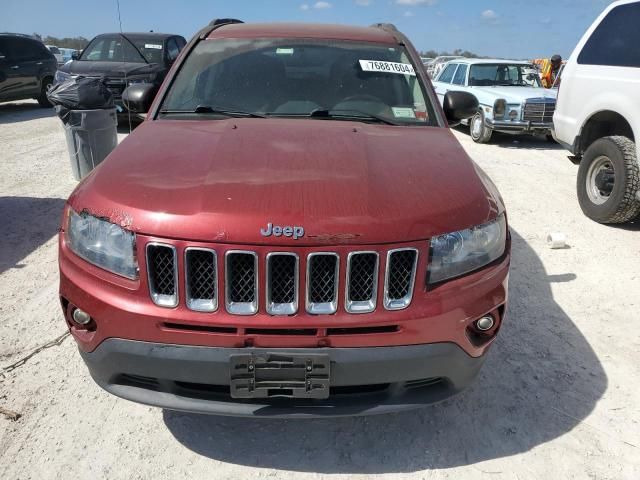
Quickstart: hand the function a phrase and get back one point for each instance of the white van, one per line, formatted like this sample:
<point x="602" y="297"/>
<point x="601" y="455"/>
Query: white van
<point x="597" y="115"/>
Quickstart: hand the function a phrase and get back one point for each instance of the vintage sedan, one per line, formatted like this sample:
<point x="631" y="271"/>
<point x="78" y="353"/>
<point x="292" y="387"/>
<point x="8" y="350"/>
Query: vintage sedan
<point x="511" y="97"/>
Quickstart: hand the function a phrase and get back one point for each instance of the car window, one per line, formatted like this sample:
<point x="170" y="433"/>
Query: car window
<point x="501" y="74"/>
<point x="54" y="50"/>
<point x="615" y="41"/>
<point x="172" y="49"/>
<point x="181" y="42"/>
<point x="461" y="73"/>
<point x="447" y="74"/>
<point x="25" y="49"/>
<point x="288" y="77"/>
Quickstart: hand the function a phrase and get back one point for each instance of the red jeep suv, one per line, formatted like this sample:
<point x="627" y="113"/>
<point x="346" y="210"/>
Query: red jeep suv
<point x="292" y="231"/>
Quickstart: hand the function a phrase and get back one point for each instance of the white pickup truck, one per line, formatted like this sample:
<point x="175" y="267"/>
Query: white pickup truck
<point x="597" y="116"/>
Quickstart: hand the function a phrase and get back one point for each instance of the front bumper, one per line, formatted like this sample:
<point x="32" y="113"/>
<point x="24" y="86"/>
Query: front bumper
<point x="519" y="126"/>
<point x="363" y="381"/>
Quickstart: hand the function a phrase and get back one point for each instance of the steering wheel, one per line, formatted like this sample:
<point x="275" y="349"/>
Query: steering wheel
<point x="362" y="97"/>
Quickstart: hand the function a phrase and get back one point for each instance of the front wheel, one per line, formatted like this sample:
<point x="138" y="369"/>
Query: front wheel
<point x="608" y="179"/>
<point x="480" y="133"/>
<point x="47" y="83"/>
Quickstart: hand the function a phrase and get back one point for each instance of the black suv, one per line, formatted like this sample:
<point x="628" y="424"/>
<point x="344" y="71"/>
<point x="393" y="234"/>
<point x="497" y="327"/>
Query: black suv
<point x="27" y="68"/>
<point x="122" y="59"/>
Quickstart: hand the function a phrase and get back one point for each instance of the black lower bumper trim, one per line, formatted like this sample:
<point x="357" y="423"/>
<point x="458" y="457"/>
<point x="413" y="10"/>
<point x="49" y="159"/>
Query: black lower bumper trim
<point x="363" y="381"/>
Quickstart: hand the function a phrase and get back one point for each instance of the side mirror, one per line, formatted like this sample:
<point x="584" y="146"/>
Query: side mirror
<point x="75" y="55"/>
<point x="459" y="106"/>
<point x="138" y="97"/>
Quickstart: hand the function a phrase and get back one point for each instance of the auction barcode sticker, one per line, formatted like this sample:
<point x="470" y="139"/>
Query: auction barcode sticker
<point x="387" y="67"/>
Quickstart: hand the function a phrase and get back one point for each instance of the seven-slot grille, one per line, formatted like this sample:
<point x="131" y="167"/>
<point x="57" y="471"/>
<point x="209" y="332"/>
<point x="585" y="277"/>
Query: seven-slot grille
<point x="241" y="282"/>
<point x="201" y="275"/>
<point x="362" y="282"/>
<point x="539" y="111"/>
<point x="282" y="276"/>
<point x="282" y="283"/>
<point x="162" y="268"/>
<point x="400" y="278"/>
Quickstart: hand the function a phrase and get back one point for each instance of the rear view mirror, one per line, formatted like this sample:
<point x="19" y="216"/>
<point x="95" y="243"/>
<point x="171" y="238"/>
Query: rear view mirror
<point x="138" y="97"/>
<point x="459" y="106"/>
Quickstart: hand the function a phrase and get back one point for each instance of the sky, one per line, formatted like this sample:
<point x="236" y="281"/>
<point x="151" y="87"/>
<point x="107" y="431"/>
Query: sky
<point x="503" y="28"/>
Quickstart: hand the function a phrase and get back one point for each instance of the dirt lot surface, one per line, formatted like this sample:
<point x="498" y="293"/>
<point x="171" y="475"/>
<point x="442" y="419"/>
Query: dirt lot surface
<point x="559" y="395"/>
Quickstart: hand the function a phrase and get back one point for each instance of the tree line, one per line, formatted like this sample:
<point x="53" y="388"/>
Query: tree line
<point x="77" y="43"/>
<point x="458" y="52"/>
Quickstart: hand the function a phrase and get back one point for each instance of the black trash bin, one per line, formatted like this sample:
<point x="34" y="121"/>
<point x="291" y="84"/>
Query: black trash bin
<point x="86" y="109"/>
<point x="91" y="136"/>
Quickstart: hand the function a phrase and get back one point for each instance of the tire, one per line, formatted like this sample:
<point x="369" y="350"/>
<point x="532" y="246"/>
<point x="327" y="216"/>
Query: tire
<point x="47" y="82"/>
<point x="608" y="179"/>
<point x="479" y="132"/>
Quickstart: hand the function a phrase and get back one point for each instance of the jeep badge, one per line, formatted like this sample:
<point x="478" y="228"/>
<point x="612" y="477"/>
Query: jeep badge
<point x="276" y="230"/>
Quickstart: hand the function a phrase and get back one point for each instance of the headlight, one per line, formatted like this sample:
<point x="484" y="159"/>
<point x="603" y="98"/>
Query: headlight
<point x="102" y="243"/>
<point x="60" y="76"/>
<point x="457" y="253"/>
<point x="499" y="108"/>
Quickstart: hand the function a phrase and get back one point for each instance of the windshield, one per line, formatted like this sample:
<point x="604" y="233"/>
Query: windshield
<point x="502" y="74"/>
<point x="119" y="49"/>
<point x="300" y="78"/>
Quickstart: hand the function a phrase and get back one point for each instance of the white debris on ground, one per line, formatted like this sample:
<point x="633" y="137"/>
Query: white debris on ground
<point x="558" y="396"/>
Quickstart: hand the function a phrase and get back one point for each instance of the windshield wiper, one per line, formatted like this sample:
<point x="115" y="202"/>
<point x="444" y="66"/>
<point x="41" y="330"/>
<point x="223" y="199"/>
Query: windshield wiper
<point x="350" y="114"/>
<point x="218" y="111"/>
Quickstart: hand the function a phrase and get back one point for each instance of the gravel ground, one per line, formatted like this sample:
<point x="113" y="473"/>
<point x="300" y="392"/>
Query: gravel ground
<point x="558" y="396"/>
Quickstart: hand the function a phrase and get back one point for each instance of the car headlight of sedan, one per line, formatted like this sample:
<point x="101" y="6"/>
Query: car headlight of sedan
<point x="457" y="253"/>
<point x="102" y="243"/>
<point x="60" y="76"/>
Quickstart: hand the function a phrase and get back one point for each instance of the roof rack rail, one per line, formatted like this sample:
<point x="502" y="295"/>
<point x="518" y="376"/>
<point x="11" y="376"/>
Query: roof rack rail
<point x="391" y="29"/>
<point x="216" y="23"/>
<point x="385" y="26"/>
<point x="223" y="21"/>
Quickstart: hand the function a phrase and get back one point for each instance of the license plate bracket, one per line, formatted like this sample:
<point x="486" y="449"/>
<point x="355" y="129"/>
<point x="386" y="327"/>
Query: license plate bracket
<point x="273" y="375"/>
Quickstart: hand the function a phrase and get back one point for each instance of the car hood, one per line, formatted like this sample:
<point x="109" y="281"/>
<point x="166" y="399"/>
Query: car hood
<point x="344" y="182"/>
<point x="520" y="94"/>
<point x="112" y="69"/>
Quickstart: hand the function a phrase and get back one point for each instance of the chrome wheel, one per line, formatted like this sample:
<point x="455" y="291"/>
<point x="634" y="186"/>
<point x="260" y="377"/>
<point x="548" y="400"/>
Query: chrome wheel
<point x="600" y="180"/>
<point x="476" y="126"/>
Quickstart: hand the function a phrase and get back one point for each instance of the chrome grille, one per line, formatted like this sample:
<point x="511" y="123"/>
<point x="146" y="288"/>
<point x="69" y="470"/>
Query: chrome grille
<point x="322" y="283"/>
<point x="241" y="282"/>
<point x="362" y="282"/>
<point x="282" y="283"/>
<point x="201" y="279"/>
<point x="163" y="274"/>
<point x="539" y="112"/>
<point x="400" y="278"/>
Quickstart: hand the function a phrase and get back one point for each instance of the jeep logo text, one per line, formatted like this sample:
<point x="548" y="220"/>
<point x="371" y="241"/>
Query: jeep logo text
<point x="276" y="230"/>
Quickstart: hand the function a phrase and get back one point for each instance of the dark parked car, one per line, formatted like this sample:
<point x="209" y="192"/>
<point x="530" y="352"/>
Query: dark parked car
<point x="123" y="59"/>
<point x="27" y="68"/>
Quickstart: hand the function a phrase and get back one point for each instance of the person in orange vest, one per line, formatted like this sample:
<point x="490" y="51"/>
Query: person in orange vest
<point x="550" y="70"/>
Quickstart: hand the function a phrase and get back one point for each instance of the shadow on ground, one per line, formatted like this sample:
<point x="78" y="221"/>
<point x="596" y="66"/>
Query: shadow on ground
<point x="27" y="223"/>
<point x="540" y="380"/>
<point x="505" y="140"/>
<point x="23" y="112"/>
